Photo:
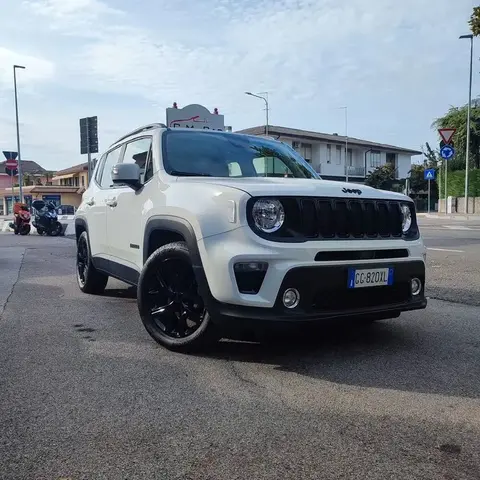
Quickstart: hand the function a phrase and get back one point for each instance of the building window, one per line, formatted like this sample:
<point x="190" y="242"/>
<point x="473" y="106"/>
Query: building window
<point x="338" y="154"/>
<point x="392" y="159"/>
<point x="329" y="154"/>
<point x="304" y="149"/>
<point x="349" y="157"/>
<point x="76" y="181"/>
<point x="83" y="181"/>
<point x="375" y="159"/>
<point x="306" y="152"/>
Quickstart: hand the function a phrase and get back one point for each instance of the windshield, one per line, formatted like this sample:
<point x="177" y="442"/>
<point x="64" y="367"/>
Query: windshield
<point x="199" y="153"/>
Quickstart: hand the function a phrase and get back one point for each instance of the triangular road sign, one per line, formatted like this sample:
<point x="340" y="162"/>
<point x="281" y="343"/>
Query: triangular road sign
<point x="429" y="175"/>
<point x="447" y="134"/>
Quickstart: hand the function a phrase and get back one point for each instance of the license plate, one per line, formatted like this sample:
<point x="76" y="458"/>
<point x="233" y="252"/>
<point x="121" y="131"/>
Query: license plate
<point x="373" y="277"/>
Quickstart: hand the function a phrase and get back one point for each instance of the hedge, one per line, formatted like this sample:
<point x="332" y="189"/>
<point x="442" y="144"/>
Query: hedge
<point x="456" y="183"/>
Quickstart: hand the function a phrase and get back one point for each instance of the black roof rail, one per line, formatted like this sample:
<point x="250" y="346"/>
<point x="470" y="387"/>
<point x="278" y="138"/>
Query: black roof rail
<point x="140" y="130"/>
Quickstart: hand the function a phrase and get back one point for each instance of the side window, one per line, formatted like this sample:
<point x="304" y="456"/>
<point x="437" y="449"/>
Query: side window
<point x="271" y="167"/>
<point x="98" y="173"/>
<point x="139" y="152"/>
<point x="234" y="170"/>
<point x="112" y="159"/>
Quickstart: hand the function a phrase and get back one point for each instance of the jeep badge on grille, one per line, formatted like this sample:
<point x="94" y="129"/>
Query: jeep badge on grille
<point x="352" y="190"/>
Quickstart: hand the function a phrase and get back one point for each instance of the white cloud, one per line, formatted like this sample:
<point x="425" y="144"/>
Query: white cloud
<point x="396" y="64"/>
<point x="39" y="69"/>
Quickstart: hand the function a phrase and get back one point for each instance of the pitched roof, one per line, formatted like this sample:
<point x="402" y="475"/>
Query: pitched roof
<point x="28" y="166"/>
<point x="82" y="167"/>
<point x="274" y="130"/>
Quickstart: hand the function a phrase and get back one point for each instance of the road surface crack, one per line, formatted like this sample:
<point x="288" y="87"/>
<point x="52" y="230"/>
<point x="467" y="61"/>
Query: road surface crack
<point x="4" y="307"/>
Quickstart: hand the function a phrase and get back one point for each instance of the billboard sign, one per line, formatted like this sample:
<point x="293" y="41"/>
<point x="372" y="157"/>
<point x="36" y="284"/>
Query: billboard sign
<point x="194" y="116"/>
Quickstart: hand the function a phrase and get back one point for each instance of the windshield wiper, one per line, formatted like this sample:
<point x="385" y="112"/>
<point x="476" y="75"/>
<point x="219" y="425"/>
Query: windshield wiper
<point x="188" y="174"/>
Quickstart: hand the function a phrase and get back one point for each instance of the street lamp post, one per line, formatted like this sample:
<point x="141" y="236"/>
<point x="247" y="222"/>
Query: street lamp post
<point x="20" y="176"/>
<point x="265" y="99"/>
<point x="467" y="149"/>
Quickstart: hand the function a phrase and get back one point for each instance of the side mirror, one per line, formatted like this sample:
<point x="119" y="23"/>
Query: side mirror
<point x="126" y="174"/>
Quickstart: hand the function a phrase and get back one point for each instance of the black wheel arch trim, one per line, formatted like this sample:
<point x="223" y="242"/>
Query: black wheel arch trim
<point x="184" y="228"/>
<point x="172" y="224"/>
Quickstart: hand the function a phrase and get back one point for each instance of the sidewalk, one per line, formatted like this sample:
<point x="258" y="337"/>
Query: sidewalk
<point x="449" y="216"/>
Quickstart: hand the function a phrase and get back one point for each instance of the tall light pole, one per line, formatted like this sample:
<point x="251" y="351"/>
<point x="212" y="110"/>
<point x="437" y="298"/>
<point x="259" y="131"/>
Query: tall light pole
<point x="467" y="149"/>
<point x="265" y="99"/>
<point x="347" y="166"/>
<point x="20" y="176"/>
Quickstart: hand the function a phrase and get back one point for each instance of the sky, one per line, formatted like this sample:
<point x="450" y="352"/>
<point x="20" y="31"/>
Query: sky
<point x="397" y="65"/>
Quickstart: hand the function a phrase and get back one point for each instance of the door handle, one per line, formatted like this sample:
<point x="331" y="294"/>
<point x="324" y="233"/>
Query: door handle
<point x="90" y="202"/>
<point x="111" y="202"/>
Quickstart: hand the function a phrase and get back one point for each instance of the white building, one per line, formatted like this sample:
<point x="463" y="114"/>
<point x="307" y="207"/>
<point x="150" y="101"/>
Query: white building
<point x="326" y="153"/>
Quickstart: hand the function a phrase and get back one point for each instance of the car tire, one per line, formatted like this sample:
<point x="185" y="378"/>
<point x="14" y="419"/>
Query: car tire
<point x="89" y="279"/>
<point x="171" y="309"/>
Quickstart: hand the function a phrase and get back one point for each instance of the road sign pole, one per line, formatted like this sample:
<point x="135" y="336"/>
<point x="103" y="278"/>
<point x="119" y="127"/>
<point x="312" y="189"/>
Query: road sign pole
<point x="89" y="157"/>
<point x="428" y="196"/>
<point x="446" y="191"/>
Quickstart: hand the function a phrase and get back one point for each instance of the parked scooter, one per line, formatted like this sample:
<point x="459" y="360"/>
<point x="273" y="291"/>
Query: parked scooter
<point x="46" y="218"/>
<point x="21" y="222"/>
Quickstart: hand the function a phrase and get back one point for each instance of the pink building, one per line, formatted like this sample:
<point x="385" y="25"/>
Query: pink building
<point x="37" y="174"/>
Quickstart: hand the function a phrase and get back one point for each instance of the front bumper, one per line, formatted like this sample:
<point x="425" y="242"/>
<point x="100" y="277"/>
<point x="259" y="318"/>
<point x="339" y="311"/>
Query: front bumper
<point x="322" y="283"/>
<point x="324" y="295"/>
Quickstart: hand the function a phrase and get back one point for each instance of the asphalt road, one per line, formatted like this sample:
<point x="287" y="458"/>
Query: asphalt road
<point x="453" y="259"/>
<point x="86" y="394"/>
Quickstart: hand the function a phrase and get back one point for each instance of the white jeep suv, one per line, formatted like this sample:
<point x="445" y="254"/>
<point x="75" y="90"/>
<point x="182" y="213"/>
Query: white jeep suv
<point x="218" y="228"/>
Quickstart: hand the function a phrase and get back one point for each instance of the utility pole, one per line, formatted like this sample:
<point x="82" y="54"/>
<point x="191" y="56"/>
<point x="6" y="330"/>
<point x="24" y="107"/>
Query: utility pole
<point x="20" y="175"/>
<point x="467" y="150"/>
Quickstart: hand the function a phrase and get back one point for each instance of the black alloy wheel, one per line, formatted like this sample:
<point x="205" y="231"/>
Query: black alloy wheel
<point x="89" y="279"/>
<point x="170" y="305"/>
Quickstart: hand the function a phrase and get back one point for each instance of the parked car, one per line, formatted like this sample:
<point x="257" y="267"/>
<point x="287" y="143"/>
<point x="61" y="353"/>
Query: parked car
<point x="218" y="228"/>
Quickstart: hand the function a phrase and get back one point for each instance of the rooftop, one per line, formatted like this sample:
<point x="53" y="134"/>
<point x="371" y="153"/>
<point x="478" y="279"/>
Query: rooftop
<point x="28" y="166"/>
<point x="274" y="130"/>
<point x="82" y="167"/>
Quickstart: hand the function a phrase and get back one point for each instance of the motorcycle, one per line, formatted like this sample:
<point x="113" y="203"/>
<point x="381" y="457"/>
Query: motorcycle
<point x="21" y="222"/>
<point x="46" y="218"/>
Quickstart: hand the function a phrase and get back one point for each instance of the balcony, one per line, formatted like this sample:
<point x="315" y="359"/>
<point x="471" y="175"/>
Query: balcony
<point x="355" y="171"/>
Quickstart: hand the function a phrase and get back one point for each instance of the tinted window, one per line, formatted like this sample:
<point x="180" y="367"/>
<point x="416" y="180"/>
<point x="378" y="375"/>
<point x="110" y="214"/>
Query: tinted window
<point x="112" y="159"/>
<point x="98" y="173"/>
<point x="139" y="152"/>
<point x="198" y="153"/>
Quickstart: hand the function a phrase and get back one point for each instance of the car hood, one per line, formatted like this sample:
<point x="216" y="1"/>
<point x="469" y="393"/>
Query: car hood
<point x="268" y="186"/>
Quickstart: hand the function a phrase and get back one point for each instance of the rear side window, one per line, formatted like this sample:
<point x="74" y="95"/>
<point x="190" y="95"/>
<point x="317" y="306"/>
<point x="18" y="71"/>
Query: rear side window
<point x="111" y="160"/>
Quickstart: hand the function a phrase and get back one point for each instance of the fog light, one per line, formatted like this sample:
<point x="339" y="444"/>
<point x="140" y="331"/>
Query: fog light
<point x="416" y="286"/>
<point x="291" y="297"/>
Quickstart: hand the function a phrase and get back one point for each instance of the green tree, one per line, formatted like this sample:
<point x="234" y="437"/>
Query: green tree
<point x="456" y="118"/>
<point x="382" y="177"/>
<point x="27" y="180"/>
<point x="474" y="21"/>
<point x="431" y="156"/>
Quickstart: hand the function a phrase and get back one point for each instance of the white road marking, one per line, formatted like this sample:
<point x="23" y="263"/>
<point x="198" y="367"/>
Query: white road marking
<point x="445" y="250"/>
<point x="456" y="227"/>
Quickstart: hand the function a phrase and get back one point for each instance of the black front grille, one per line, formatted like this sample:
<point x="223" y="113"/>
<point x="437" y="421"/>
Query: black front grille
<point x="346" y="299"/>
<point x="314" y="218"/>
<point x="344" y="218"/>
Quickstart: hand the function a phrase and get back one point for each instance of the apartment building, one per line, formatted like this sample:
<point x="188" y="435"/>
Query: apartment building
<point x="326" y="153"/>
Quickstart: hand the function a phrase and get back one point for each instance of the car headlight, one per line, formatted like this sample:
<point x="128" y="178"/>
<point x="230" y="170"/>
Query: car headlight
<point x="268" y="215"/>
<point x="406" y="218"/>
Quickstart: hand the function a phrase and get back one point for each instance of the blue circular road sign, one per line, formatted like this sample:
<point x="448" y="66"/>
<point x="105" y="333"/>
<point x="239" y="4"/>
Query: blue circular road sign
<point x="447" y="152"/>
